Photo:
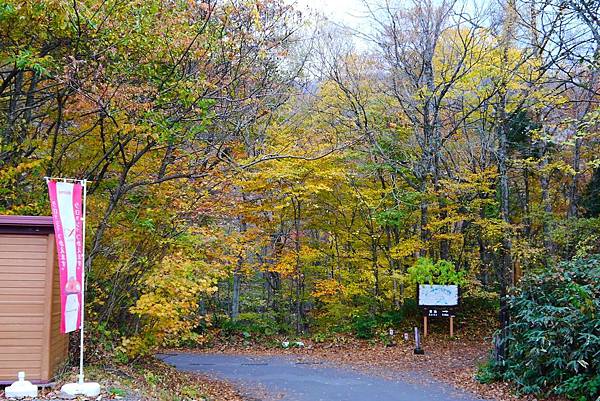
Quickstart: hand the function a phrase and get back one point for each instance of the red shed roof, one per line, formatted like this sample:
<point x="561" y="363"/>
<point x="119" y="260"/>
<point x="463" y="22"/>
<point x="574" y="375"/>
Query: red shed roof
<point x="38" y="221"/>
<point x="26" y="224"/>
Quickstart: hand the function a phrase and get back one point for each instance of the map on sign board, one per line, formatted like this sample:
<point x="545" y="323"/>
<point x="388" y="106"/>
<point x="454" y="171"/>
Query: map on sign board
<point x="438" y="295"/>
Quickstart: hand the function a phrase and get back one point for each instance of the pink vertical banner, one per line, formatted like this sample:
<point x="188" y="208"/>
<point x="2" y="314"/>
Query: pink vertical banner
<point x="66" y="205"/>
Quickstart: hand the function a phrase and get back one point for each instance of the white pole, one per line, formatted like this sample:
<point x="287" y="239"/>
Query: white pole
<point x="90" y="389"/>
<point x="83" y="217"/>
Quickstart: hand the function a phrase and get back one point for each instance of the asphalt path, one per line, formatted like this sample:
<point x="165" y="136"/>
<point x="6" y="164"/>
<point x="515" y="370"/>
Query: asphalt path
<point x="286" y="378"/>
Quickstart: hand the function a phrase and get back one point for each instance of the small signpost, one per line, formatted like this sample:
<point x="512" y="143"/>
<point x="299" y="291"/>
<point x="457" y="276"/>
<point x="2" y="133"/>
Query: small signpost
<point x="418" y="349"/>
<point x="438" y="301"/>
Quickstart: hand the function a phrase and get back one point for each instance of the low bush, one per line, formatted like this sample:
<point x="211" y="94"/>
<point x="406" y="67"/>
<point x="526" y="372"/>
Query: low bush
<point x="576" y="237"/>
<point x="366" y="326"/>
<point x="554" y="340"/>
<point x="252" y="325"/>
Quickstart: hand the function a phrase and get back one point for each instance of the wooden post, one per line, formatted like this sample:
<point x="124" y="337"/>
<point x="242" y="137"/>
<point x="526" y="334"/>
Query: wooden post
<point x="425" y="326"/>
<point x="451" y="326"/>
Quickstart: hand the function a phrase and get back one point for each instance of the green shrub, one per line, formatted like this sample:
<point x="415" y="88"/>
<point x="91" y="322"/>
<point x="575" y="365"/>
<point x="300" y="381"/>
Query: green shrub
<point x="334" y="317"/>
<point x="250" y="325"/>
<point x="554" y="340"/>
<point x="576" y="237"/>
<point x="487" y="372"/>
<point x="480" y="311"/>
<point x="364" y="326"/>
<point x="410" y="309"/>
<point x="320" y="337"/>
<point x="390" y="318"/>
<point x="425" y="271"/>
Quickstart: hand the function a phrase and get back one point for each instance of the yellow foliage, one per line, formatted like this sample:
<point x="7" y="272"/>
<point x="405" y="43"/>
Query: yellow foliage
<point x="286" y="265"/>
<point x="407" y="248"/>
<point x="169" y="305"/>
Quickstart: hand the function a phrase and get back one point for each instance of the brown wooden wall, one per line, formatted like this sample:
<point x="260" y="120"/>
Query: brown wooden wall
<point x="59" y="343"/>
<point x="29" y="340"/>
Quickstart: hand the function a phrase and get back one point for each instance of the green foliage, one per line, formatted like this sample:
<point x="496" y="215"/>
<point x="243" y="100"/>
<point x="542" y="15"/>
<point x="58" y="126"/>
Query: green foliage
<point x="554" y="340"/>
<point x="425" y="271"/>
<point x="520" y="129"/>
<point x="336" y="317"/>
<point x="320" y="337"/>
<point x="487" y="372"/>
<point x="577" y="237"/>
<point x="480" y="309"/>
<point x="591" y="199"/>
<point x="117" y="392"/>
<point x="366" y="326"/>
<point x="251" y="325"/>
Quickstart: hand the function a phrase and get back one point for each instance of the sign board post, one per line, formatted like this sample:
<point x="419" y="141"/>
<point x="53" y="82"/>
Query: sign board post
<point x="438" y="301"/>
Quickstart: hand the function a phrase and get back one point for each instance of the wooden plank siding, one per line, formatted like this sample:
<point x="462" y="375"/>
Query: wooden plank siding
<point x="30" y="340"/>
<point x="59" y="343"/>
<point x="22" y="313"/>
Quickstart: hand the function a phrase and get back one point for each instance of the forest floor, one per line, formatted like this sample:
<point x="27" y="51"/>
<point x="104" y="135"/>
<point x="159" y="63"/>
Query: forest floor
<point x="451" y="361"/>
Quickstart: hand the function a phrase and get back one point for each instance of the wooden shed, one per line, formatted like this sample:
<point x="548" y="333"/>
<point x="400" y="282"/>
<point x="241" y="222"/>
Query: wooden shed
<point x="30" y="338"/>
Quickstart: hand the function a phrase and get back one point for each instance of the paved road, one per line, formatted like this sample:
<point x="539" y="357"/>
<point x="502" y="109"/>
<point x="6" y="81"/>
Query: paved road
<point x="289" y="379"/>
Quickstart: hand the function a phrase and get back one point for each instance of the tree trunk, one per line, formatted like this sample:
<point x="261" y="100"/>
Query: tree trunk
<point x="235" y="297"/>
<point x="237" y="275"/>
<point x="526" y="203"/>
<point x="299" y="277"/>
<point x="12" y="114"/>
<point x="424" y="220"/>
<point x="505" y="260"/>
<point x="374" y="263"/>
<point x="545" y="187"/>
<point x="393" y="268"/>
<point x="573" y="190"/>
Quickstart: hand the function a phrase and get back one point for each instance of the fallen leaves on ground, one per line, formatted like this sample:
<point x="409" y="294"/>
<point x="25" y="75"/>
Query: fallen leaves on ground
<point x="453" y="361"/>
<point x="165" y="383"/>
<point x="147" y="380"/>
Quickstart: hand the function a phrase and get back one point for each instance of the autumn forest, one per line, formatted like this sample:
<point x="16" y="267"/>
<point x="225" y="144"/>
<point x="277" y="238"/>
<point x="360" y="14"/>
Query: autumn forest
<point x="257" y="170"/>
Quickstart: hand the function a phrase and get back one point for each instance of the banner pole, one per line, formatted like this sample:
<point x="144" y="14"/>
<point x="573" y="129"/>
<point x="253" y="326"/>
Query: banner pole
<point x="84" y="182"/>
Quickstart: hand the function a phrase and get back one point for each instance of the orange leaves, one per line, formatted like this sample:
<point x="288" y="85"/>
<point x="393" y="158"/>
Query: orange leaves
<point x="327" y="290"/>
<point x="287" y="264"/>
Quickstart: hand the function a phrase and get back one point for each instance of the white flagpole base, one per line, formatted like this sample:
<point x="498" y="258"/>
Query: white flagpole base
<point x="21" y="388"/>
<point x="89" y="389"/>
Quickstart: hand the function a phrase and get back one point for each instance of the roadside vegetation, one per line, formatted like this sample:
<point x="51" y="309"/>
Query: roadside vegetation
<point x="554" y="335"/>
<point x="148" y="379"/>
